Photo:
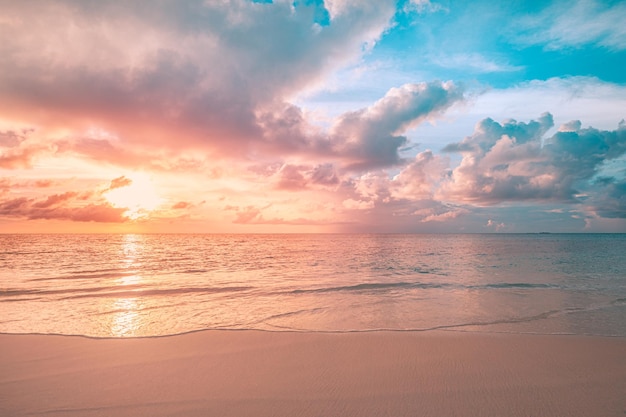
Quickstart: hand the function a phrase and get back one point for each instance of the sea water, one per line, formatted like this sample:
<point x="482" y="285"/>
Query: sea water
<point x="133" y="285"/>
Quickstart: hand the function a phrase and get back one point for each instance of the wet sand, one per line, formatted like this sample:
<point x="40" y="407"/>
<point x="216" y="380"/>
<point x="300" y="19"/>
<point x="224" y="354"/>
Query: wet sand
<point x="255" y="373"/>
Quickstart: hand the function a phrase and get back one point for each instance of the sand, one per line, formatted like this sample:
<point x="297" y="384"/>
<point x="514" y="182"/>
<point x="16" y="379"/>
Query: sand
<point x="254" y="373"/>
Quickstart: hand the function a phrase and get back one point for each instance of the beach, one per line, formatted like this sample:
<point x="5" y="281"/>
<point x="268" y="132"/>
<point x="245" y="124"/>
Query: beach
<point x="259" y="373"/>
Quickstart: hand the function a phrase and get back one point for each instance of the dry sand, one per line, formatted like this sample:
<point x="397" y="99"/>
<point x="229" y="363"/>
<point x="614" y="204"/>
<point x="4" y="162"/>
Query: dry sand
<point x="252" y="373"/>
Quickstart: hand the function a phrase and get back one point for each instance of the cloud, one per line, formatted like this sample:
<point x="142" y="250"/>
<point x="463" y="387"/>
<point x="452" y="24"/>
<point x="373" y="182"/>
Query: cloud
<point x="11" y="138"/>
<point x="371" y="137"/>
<point x="204" y="99"/>
<point x="54" y="200"/>
<point x="567" y="25"/>
<point x="290" y="178"/>
<point x="364" y="139"/>
<point x="473" y="62"/>
<point x="155" y="102"/>
<point x="580" y="153"/>
<point x="181" y="205"/>
<point x="324" y="175"/>
<point x="373" y="185"/>
<point x="351" y="204"/>
<point x="15" y="206"/>
<point x="611" y="202"/>
<point x="439" y="214"/>
<point x="497" y="226"/>
<point x="120" y="182"/>
<point x="45" y="183"/>
<point x="424" y="6"/>
<point x="247" y="215"/>
<point x="195" y="74"/>
<point x="19" y="157"/>
<point x="300" y="177"/>
<point x="100" y="213"/>
<point x="78" y="206"/>
<point x="51" y="208"/>
<point x="18" y="150"/>
<point x="421" y="177"/>
<point x="253" y="216"/>
<point x="7" y="184"/>
<point x="513" y="162"/>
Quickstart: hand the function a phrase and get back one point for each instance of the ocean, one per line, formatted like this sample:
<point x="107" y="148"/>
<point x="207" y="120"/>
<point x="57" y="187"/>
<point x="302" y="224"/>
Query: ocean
<point x="135" y="285"/>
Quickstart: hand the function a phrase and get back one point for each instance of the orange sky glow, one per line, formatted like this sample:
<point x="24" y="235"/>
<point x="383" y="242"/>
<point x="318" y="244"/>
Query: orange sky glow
<point x="255" y="117"/>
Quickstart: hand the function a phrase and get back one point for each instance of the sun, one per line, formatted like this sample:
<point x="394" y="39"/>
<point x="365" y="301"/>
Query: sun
<point x="139" y="196"/>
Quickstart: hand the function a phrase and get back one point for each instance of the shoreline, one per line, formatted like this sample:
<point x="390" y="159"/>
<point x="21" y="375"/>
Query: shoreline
<point x="443" y="329"/>
<point x="279" y="373"/>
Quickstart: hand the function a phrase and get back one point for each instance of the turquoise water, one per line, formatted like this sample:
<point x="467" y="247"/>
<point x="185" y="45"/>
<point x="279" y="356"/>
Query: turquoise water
<point x="149" y="285"/>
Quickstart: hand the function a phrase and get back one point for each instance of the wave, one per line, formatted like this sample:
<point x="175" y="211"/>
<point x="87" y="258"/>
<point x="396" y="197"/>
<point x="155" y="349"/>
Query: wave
<point x="373" y="286"/>
<point x="137" y="309"/>
<point x="88" y="276"/>
<point x="381" y="286"/>
<point x="291" y="314"/>
<point x="119" y="292"/>
<point x="17" y="293"/>
<point x="160" y="292"/>
<point x="482" y="326"/>
<point x="14" y="300"/>
<point x="505" y="285"/>
<point x="140" y="290"/>
<point x="431" y="271"/>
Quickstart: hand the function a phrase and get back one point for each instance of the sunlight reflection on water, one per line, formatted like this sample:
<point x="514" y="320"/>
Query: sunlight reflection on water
<point x="126" y="320"/>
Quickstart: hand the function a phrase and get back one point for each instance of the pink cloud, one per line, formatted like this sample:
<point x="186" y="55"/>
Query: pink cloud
<point x="12" y="139"/>
<point x="15" y="206"/>
<point x="43" y="183"/>
<point x="164" y="91"/>
<point x="253" y="216"/>
<point x="120" y="182"/>
<point x="54" y="200"/>
<point x="301" y="177"/>
<point x="69" y="205"/>
<point x="352" y="204"/>
<point x="247" y="215"/>
<point x="19" y="157"/>
<point x="163" y="97"/>
<point x="100" y="213"/>
<point x="421" y="178"/>
<point x="181" y="205"/>
<point x="5" y="184"/>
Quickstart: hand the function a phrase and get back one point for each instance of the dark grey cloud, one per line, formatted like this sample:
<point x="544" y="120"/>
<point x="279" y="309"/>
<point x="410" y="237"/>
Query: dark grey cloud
<point x="611" y="198"/>
<point x="579" y="153"/>
<point x="513" y="161"/>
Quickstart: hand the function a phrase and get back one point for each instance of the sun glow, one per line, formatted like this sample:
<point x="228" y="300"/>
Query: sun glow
<point x="139" y="197"/>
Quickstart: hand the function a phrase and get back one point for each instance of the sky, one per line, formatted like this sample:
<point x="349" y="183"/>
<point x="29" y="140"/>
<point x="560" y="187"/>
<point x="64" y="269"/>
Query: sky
<point x="307" y="116"/>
